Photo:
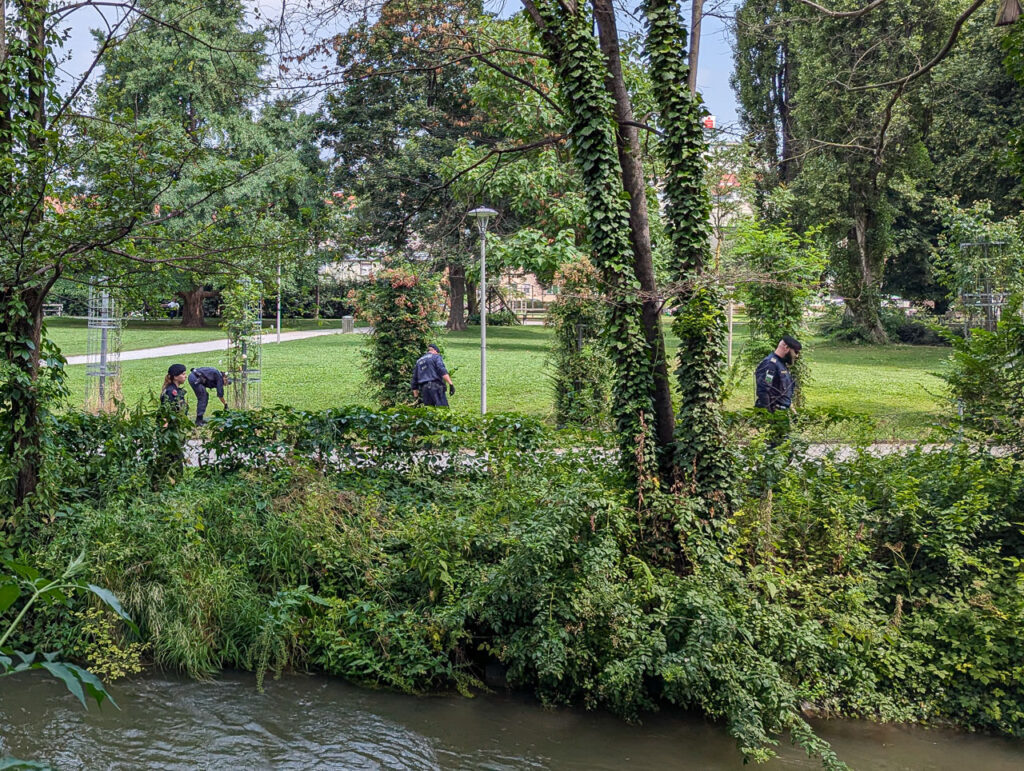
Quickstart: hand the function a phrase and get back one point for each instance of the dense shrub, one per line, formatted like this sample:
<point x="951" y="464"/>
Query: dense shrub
<point x="410" y="549"/>
<point x="402" y="304"/>
<point x="582" y="368"/>
<point x="899" y="326"/>
<point x="784" y="269"/>
<point x="986" y="375"/>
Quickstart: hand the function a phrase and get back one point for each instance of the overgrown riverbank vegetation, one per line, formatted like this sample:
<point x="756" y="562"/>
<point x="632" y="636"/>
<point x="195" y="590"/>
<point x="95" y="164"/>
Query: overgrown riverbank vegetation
<point x="407" y="550"/>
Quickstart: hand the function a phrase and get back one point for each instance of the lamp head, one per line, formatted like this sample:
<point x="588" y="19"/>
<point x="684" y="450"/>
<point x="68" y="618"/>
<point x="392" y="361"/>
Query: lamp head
<point x="482" y="215"/>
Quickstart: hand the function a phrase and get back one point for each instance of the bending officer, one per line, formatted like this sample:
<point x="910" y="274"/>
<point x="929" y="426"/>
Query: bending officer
<point x="202" y="378"/>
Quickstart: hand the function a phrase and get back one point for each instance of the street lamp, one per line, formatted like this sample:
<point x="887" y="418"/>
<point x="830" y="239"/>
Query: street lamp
<point x="483" y="215"/>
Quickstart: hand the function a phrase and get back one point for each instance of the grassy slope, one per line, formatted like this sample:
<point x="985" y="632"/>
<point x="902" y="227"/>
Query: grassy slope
<point x="890" y="383"/>
<point x="71" y="334"/>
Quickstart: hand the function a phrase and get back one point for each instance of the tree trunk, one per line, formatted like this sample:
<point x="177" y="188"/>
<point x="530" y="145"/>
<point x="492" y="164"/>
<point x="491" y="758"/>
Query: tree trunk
<point x="865" y="269"/>
<point x="21" y="311"/>
<point x="21" y="307"/>
<point x="696" y="17"/>
<point x="457" y="294"/>
<point x="192" y="314"/>
<point x="788" y="166"/>
<point x="471" y="298"/>
<point x="627" y="140"/>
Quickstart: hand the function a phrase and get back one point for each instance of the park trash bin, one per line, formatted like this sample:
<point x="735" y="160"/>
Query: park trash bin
<point x="348" y="324"/>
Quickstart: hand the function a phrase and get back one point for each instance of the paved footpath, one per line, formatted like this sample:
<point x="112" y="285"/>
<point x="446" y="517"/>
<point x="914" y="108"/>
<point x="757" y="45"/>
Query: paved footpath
<point x="184" y="349"/>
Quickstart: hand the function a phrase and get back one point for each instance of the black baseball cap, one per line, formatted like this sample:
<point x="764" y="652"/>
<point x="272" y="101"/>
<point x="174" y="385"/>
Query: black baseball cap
<point x="434" y="348"/>
<point x="792" y="342"/>
<point x="176" y="369"/>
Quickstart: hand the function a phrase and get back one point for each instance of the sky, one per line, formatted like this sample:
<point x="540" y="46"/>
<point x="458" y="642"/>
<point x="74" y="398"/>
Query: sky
<point x="713" y="71"/>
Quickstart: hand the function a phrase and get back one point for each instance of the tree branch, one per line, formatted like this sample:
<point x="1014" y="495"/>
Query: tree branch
<point x="842" y="14"/>
<point x="501" y="151"/>
<point x="942" y="54"/>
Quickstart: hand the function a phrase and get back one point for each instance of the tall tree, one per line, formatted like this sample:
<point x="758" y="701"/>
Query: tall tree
<point x="765" y="80"/>
<point x="860" y="122"/>
<point x="402" y="106"/>
<point x="79" y="199"/>
<point x="198" y="66"/>
<point x="606" y="151"/>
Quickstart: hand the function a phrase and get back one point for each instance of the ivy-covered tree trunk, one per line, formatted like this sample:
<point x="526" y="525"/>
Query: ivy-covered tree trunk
<point x="566" y="33"/>
<point x="192" y="314"/>
<point x="862" y="283"/>
<point x="21" y="318"/>
<point x="627" y="141"/>
<point x="21" y="300"/>
<point x="702" y="457"/>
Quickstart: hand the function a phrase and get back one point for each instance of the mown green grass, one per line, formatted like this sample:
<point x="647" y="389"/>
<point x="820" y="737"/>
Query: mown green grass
<point x="72" y="334"/>
<point x="324" y="372"/>
<point x="893" y="385"/>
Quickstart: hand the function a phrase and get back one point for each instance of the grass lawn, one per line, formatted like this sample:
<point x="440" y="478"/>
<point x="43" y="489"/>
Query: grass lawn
<point x="324" y="372"/>
<point x="71" y="334"/>
<point x="891" y="384"/>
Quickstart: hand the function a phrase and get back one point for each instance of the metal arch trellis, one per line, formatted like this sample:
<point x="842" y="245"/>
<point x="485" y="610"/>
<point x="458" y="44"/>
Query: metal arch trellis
<point x="245" y="355"/>
<point x="103" y="351"/>
<point x="984" y="299"/>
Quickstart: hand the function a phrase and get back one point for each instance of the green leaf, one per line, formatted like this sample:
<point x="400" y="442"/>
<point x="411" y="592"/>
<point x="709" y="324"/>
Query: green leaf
<point x="8" y="594"/>
<point x="62" y="672"/>
<point x="113" y="603"/>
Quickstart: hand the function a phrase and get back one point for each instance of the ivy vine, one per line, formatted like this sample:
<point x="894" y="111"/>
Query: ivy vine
<point x="580" y="68"/>
<point x="701" y="454"/>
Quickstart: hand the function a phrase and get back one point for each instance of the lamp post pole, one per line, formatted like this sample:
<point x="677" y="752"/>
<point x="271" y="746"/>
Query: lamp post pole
<point x="482" y="215"/>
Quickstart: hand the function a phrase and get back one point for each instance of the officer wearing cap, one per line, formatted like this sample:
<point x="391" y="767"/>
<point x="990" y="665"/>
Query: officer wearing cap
<point x="429" y="377"/>
<point x="773" y="382"/>
<point x="202" y="378"/>
<point x="172" y="392"/>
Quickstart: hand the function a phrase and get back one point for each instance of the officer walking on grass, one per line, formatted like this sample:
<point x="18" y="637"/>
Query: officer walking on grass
<point x="202" y="378"/>
<point x="773" y="381"/>
<point x="429" y="377"/>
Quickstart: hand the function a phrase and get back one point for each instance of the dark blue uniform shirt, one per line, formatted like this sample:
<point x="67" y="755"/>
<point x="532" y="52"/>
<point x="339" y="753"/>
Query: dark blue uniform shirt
<point x="211" y="377"/>
<point x="773" y="384"/>
<point x="174" y="395"/>
<point x="429" y="368"/>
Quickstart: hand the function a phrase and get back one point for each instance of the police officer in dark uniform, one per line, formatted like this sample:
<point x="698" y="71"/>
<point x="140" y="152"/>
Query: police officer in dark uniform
<point x="172" y="392"/>
<point x="773" y="382"/>
<point x="201" y="378"/>
<point x="170" y="459"/>
<point x="429" y="377"/>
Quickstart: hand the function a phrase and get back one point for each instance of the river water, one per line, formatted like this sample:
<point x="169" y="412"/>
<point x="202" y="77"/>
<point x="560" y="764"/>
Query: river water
<point x="323" y="723"/>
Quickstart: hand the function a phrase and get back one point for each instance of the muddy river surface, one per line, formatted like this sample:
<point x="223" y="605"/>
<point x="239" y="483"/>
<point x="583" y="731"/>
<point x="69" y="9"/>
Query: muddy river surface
<point x="323" y="723"/>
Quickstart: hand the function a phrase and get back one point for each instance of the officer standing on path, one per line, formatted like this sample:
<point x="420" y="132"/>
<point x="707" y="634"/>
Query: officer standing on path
<point x="773" y="382"/>
<point x="202" y="378"/>
<point x="429" y="377"/>
<point x="172" y="392"/>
